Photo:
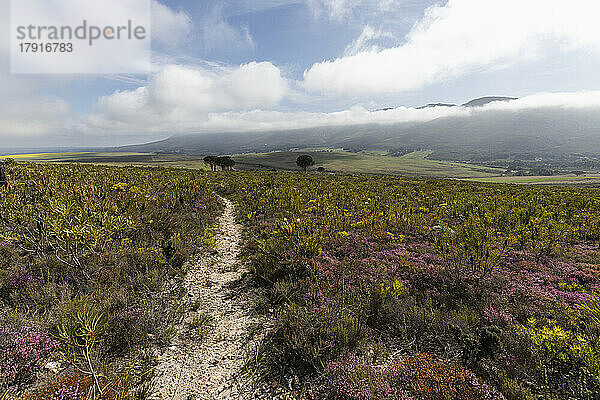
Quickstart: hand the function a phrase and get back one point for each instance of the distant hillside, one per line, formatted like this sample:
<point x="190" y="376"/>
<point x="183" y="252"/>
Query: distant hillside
<point x="485" y="135"/>
<point x="508" y="134"/>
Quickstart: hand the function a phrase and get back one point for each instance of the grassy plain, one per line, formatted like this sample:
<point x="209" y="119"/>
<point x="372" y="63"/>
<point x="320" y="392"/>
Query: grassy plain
<point x="413" y="164"/>
<point x="116" y="159"/>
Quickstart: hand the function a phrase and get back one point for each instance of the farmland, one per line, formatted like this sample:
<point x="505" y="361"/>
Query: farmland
<point x="114" y="158"/>
<point x="376" y="287"/>
<point x="334" y="160"/>
<point x="413" y="164"/>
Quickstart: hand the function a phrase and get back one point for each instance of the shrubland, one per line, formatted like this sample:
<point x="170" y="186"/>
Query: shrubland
<point x="376" y="287"/>
<point x="90" y="264"/>
<point x="390" y="288"/>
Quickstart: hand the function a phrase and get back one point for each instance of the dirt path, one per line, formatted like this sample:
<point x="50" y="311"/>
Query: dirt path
<point x="198" y="367"/>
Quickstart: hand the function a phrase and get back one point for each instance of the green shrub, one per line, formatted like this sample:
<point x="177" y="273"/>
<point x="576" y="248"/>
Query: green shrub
<point x="561" y="353"/>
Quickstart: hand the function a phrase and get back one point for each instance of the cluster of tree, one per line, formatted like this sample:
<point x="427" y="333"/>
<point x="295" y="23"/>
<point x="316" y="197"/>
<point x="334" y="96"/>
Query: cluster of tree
<point x="226" y="163"/>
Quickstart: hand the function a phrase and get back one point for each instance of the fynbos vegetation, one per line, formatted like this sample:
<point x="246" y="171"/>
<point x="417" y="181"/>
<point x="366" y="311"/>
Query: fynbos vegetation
<point x="390" y="288"/>
<point x="376" y="287"/>
<point x="90" y="260"/>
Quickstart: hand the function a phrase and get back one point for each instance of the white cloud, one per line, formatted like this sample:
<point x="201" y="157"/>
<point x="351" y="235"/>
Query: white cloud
<point x="34" y="116"/>
<point x="179" y="98"/>
<point x="573" y="100"/>
<point x="339" y="10"/>
<point x="169" y="27"/>
<point x="459" y="37"/>
<point x="217" y="32"/>
<point x="367" y="41"/>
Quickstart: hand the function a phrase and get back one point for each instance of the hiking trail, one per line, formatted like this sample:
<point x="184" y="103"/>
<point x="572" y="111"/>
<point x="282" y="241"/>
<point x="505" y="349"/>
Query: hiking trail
<point x="209" y="366"/>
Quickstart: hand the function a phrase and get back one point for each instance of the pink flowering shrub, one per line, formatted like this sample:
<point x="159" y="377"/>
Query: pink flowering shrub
<point x="497" y="316"/>
<point x="70" y="393"/>
<point x="425" y="377"/>
<point x="352" y="378"/>
<point x="416" y="376"/>
<point x="22" y="353"/>
<point x="22" y="280"/>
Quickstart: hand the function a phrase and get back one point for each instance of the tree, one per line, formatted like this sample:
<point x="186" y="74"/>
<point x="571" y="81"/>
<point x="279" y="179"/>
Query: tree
<point x="305" y="161"/>
<point x="212" y="161"/>
<point x="225" y="162"/>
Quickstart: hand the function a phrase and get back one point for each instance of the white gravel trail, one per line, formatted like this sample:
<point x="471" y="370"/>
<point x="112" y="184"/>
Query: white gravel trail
<point x="199" y="367"/>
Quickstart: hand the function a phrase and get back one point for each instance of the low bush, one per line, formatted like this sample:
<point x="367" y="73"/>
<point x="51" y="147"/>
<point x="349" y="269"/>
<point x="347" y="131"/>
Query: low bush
<point x="79" y="242"/>
<point x="416" y="376"/>
<point x="23" y="352"/>
<point x="446" y="268"/>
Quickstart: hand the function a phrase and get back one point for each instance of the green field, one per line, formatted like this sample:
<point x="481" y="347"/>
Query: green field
<point x="335" y="160"/>
<point x="413" y="164"/>
<point x="64" y="157"/>
<point x="115" y="158"/>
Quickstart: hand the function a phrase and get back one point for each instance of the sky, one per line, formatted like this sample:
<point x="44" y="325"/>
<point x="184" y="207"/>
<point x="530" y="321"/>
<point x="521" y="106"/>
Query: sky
<point x="248" y="65"/>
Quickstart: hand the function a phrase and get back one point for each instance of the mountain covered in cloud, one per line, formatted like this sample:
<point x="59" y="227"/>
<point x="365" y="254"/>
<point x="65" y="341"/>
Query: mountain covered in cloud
<point x="480" y="102"/>
<point x="434" y="105"/>
<point x="522" y="133"/>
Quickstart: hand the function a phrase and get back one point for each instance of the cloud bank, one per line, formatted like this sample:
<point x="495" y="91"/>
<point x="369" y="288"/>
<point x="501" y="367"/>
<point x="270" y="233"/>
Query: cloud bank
<point x="151" y="109"/>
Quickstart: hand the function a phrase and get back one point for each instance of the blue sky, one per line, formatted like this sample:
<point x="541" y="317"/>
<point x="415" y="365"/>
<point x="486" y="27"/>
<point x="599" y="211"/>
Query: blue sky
<point x="238" y="65"/>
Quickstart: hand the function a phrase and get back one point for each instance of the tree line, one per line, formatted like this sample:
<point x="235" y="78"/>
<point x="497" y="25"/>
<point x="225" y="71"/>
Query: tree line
<point x="227" y="163"/>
